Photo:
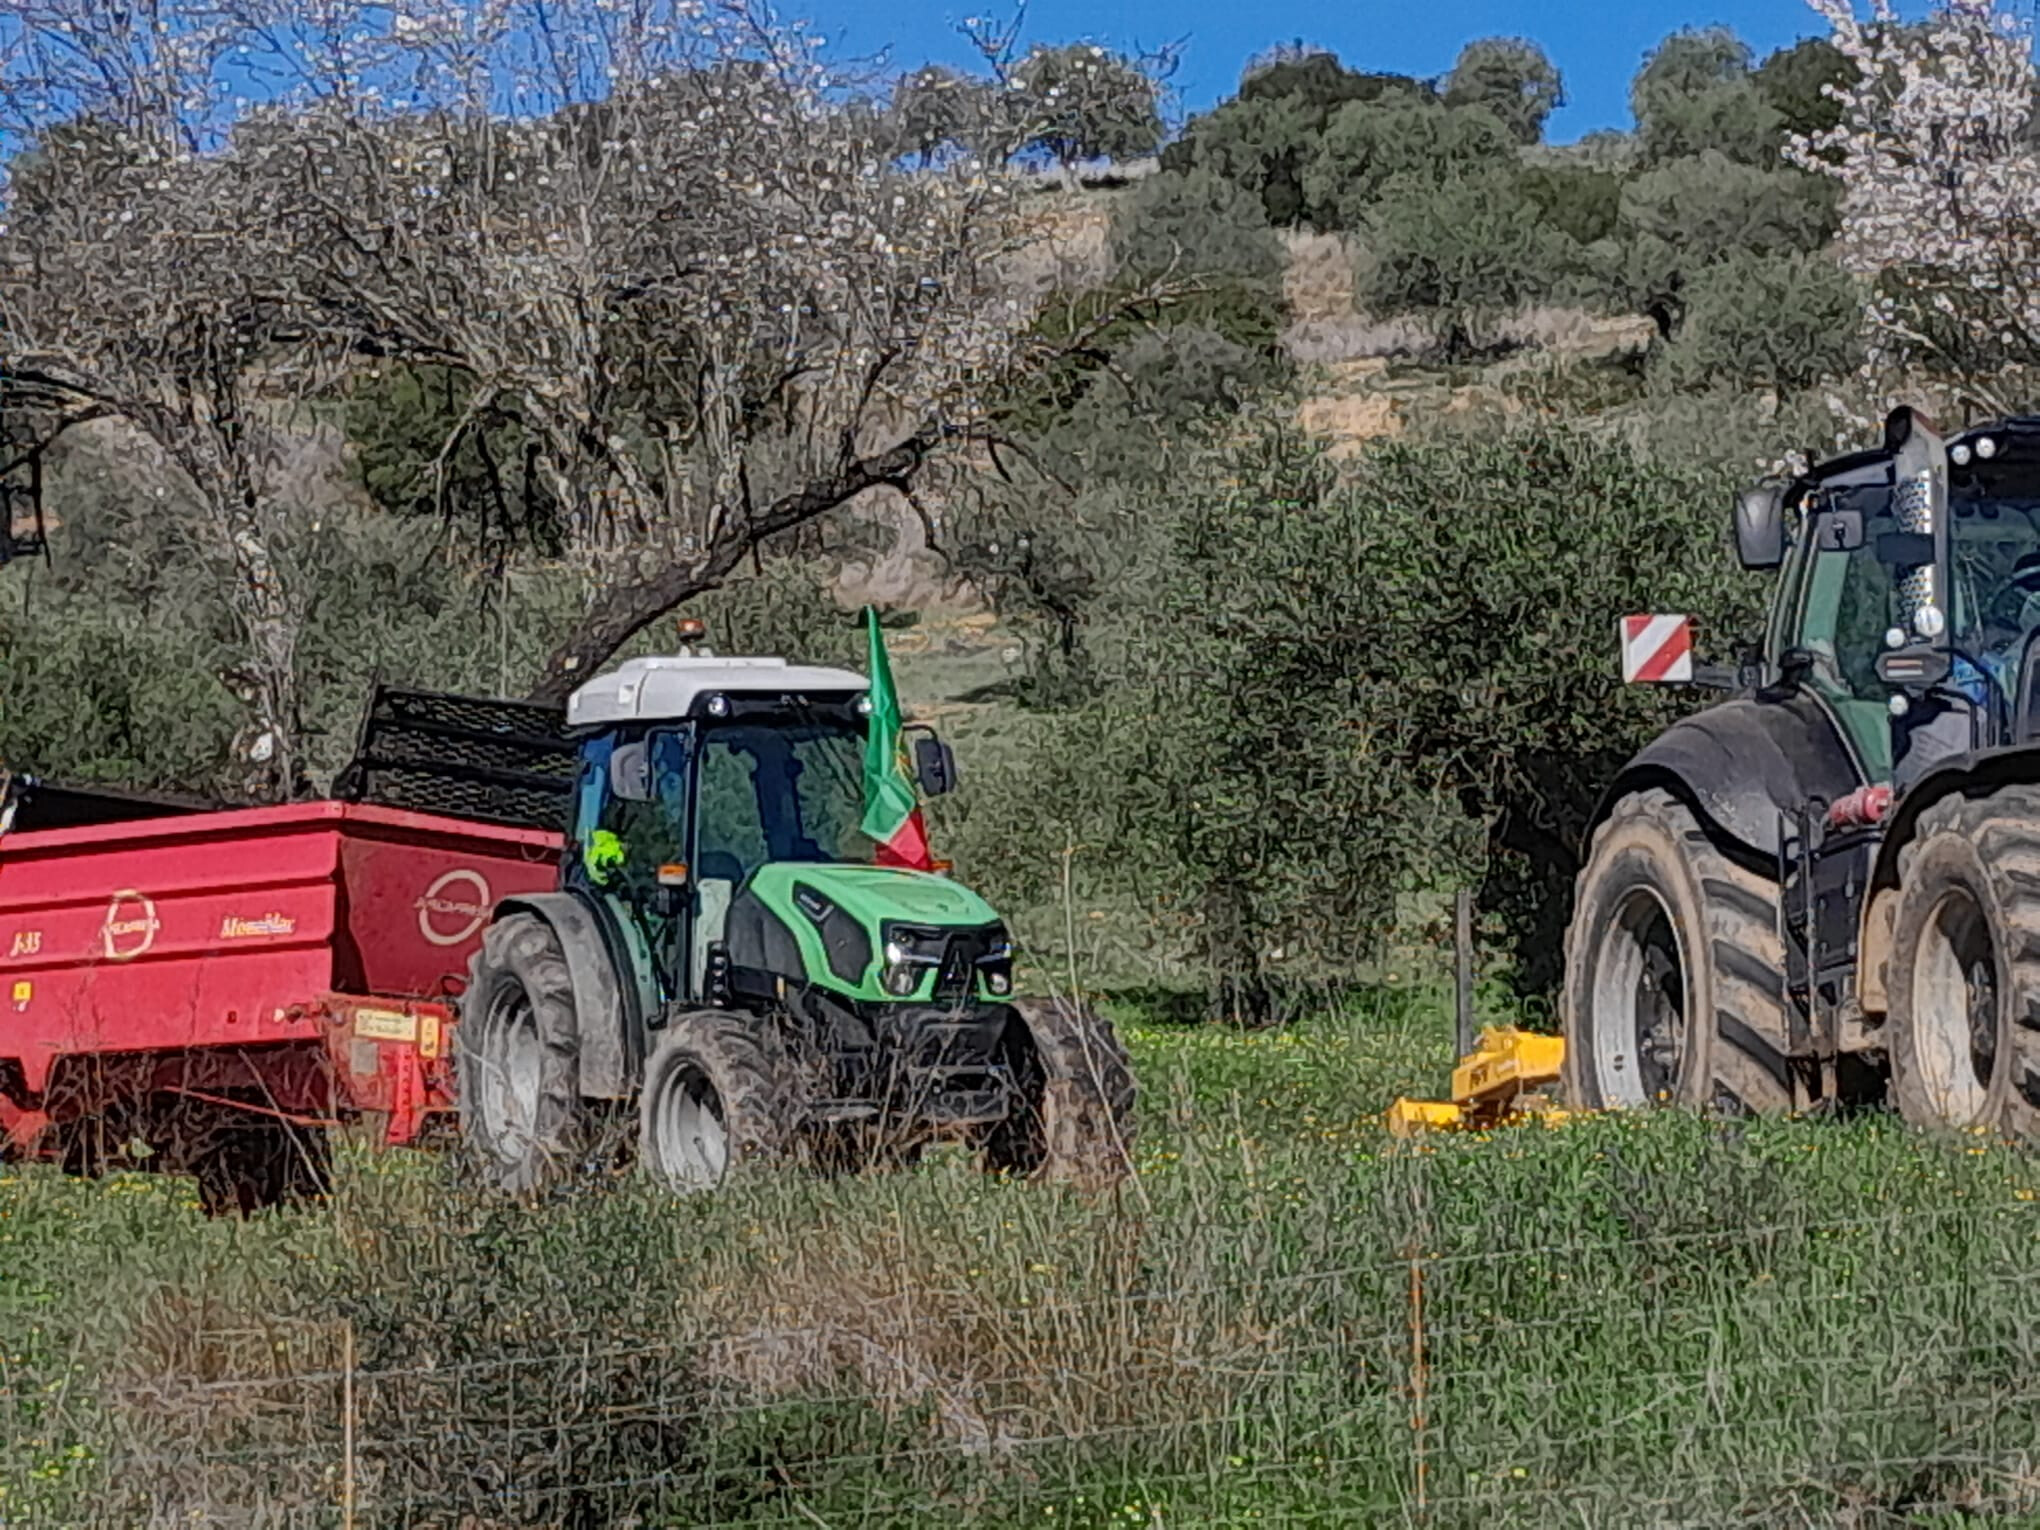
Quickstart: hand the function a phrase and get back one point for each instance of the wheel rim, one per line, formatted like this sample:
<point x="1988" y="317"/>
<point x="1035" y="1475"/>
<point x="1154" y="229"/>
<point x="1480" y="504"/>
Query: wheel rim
<point x="1955" y="1009"/>
<point x="1640" y="999"/>
<point x="689" y="1133"/>
<point x="512" y="1065"/>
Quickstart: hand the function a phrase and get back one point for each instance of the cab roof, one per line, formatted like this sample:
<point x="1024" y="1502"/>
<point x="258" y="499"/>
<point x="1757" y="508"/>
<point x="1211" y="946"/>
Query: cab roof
<point x="1873" y="465"/>
<point x="644" y="689"/>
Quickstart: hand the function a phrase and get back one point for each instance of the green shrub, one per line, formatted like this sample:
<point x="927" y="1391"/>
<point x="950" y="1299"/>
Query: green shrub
<point x="1779" y="323"/>
<point x="1578" y="201"/>
<point x="1366" y="146"/>
<point x="1345" y="691"/>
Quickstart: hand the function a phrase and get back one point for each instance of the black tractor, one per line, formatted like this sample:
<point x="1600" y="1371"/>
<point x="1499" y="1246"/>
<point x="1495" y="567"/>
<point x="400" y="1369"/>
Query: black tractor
<point x="1824" y="889"/>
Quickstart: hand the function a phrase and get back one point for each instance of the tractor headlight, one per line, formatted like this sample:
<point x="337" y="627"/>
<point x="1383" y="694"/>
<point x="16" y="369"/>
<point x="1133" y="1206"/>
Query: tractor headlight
<point x="997" y="965"/>
<point x="909" y="951"/>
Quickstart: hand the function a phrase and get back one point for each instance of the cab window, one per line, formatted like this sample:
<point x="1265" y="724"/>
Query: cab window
<point x="1844" y="608"/>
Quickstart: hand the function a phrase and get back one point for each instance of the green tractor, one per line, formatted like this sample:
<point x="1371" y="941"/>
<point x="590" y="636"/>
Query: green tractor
<point x="1824" y="889"/>
<point x="727" y="950"/>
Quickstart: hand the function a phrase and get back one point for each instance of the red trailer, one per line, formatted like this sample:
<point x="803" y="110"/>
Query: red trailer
<point x="211" y="992"/>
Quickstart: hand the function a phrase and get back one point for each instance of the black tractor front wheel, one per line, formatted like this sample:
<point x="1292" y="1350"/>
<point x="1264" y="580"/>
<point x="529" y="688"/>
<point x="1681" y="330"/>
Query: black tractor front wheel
<point x="1072" y="1116"/>
<point x="518" y="1057"/>
<point x="717" y="1095"/>
<point x="1674" y="984"/>
<point x="1964" y="973"/>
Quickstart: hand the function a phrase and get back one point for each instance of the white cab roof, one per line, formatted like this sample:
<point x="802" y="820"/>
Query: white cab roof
<point x="654" y="688"/>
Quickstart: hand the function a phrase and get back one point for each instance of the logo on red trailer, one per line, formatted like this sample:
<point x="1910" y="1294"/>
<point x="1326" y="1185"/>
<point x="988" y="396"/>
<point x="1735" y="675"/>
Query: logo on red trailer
<point x="130" y="927"/>
<point x="1656" y="650"/>
<point x="454" y="907"/>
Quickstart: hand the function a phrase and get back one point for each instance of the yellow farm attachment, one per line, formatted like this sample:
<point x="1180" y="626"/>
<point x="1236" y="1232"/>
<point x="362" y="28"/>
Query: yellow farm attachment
<point x="1502" y="1078"/>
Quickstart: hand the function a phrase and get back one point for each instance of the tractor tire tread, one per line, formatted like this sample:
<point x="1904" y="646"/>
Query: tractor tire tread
<point x="1750" y="1038"/>
<point x="1081" y="1128"/>
<point x="752" y="1076"/>
<point x="527" y="948"/>
<point x="2003" y="829"/>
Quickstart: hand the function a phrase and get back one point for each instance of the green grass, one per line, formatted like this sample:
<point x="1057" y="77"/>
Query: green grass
<point x="1286" y="1318"/>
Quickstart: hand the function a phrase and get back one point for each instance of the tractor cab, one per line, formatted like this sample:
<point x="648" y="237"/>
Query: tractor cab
<point x="718" y="809"/>
<point x="1910" y="590"/>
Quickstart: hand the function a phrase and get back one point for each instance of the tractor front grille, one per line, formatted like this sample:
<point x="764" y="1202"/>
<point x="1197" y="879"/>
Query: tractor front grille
<point x="966" y="953"/>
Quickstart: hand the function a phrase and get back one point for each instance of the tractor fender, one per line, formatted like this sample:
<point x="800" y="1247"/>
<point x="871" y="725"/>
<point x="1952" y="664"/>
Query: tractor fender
<point x="1972" y="774"/>
<point x="1741" y="764"/>
<point x="607" y="1062"/>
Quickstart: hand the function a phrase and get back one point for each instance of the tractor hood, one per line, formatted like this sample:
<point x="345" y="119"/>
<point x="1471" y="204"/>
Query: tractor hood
<point x="876" y="934"/>
<point x="871" y="894"/>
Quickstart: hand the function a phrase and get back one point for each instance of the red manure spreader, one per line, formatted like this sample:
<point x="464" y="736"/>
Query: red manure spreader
<point x="210" y="992"/>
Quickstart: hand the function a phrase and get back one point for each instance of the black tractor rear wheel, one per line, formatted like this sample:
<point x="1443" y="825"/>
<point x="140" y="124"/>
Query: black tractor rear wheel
<point x="1964" y="974"/>
<point x="718" y="1094"/>
<point x="1073" y="1118"/>
<point x="518" y="1058"/>
<point x="1674" y="984"/>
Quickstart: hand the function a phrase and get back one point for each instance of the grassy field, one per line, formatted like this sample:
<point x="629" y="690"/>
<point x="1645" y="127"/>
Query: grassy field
<point x="1286" y="1318"/>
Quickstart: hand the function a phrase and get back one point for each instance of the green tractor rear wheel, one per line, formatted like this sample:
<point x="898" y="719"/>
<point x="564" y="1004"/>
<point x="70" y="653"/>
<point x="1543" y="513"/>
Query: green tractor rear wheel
<point x="518" y="1062"/>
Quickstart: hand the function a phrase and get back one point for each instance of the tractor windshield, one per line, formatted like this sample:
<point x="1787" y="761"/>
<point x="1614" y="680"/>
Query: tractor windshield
<point x="780" y="791"/>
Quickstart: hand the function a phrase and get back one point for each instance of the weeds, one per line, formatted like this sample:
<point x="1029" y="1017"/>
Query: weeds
<point x="1295" y="1320"/>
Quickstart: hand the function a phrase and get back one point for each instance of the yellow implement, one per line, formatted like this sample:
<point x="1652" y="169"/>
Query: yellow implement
<point x="1498" y="1080"/>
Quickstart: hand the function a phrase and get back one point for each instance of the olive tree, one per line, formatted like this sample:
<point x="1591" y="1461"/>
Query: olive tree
<point x="1395" y="680"/>
<point x="1782" y="323"/>
<point x="1468" y="250"/>
<point x="1511" y="77"/>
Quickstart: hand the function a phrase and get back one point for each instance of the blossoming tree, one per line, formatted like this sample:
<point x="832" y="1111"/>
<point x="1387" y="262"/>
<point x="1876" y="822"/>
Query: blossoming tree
<point x="1940" y="199"/>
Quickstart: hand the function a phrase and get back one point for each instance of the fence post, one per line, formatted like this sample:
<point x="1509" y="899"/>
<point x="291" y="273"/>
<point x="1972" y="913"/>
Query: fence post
<point x="347" y="1426"/>
<point x="1419" y="1423"/>
<point x="1463" y="950"/>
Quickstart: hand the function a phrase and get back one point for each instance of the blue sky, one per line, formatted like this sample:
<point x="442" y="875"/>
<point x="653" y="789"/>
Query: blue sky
<point x="1597" y="47"/>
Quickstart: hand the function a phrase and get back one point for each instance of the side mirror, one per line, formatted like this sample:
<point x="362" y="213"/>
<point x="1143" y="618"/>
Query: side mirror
<point x="934" y="766"/>
<point x="630" y="772"/>
<point x="1760" y="526"/>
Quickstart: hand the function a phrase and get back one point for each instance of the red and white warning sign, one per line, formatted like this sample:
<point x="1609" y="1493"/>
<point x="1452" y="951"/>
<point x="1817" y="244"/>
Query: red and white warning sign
<point x="1656" y="649"/>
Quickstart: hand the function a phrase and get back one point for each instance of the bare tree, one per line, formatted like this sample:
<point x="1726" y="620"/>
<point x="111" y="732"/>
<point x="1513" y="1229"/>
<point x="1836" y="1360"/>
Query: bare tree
<point x="135" y="261"/>
<point x="659" y="228"/>
<point x="717" y="302"/>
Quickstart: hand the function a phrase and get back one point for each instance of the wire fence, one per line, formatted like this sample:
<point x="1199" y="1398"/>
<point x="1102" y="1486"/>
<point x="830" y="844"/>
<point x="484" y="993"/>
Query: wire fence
<point x="1863" y="1370"/>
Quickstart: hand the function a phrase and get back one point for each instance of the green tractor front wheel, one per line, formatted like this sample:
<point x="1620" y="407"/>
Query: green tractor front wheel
<point x="717" y="1095"/>
<point x="1072" y="1119"/>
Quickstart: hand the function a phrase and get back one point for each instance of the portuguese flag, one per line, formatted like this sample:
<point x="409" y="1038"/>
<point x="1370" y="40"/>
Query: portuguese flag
<point x="892" y="808"/>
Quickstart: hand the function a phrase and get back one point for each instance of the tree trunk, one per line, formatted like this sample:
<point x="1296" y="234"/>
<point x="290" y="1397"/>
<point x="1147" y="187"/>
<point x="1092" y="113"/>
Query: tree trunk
<point x="621" y="611"/>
